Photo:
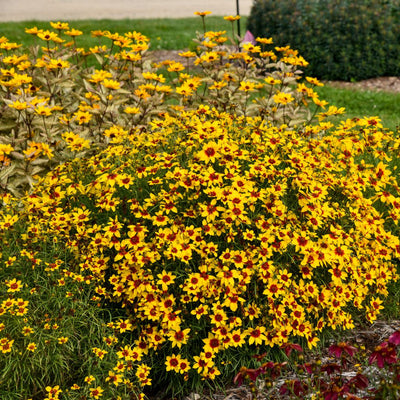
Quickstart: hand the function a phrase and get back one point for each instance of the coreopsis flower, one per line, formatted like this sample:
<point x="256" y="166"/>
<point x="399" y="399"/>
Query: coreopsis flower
<point x="96" y="393"/>
<point x="272" y="81"/>
<point x="178" y="338"/>
<point x="175" y="67"/>
<point x="114" y="378"/>
<point x="99" y="352"/>
<point x="89" y="379"/>
<point x="58" y="64"/>
<point x="31" y="347"/>
<point x="209" y="152"/>
<point x="14" y="285"/>
<point x="44" y="111"/>
<point x="132" y="110"/>
<point x="53" y="392"/>
<point x="165" y="279"/>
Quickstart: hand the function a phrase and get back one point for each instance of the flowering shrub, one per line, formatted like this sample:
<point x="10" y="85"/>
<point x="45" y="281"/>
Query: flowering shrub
<point x="59" y="101"/>
<point x="206" y="237"/>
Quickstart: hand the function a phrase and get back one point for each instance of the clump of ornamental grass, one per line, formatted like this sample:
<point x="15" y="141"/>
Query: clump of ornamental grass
<point x="59" y="101"/>
<point x="202" y="240"/>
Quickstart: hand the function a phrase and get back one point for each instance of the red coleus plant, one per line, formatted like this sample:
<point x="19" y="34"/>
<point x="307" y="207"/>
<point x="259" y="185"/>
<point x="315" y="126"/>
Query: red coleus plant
<point x="384" y="354"/>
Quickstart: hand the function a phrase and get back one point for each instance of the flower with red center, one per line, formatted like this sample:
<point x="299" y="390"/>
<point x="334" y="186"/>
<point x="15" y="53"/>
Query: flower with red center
<point x="209" y="152"/>
<point x="257" y="335"/>
<point x="165" y="279"/>
<point x="178" y="338"/>
<point x="96" y="392"/>
<point x="14" y="285"/>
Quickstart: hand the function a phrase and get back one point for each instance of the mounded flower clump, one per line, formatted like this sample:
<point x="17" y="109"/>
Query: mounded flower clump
<point x="192" y="242"/>
<point x="209" y="237"/>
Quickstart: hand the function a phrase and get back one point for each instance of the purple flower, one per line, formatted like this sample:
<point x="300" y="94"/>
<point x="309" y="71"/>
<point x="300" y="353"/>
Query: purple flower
<point x="249" y="38"/>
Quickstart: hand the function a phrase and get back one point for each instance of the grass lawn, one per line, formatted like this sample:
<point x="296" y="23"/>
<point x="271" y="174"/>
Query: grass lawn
<point x="360" y="103"/>
<point x="167" y="34"/>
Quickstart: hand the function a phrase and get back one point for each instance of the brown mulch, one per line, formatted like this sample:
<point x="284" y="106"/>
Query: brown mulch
<point x="385" y="83"/>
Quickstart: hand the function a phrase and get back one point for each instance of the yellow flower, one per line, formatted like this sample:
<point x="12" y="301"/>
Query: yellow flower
<point x="48" y="35"/>
<point x="53" y="392"/>
<point x="5" y="149"/>
<point x="43" y="111"/>
<point x="202" y="13"/>
<point x="83" y="117"/>
<point x="111" y="84"/>
<point x="247" y="86"/>
<point x="89" y="379"/>
<point x="165" y="279"/>
<point x="314" y="81"/>
<point x="187" y="54"/>
<point x="14" y="285"/>
<point x="31" y="347"/>
<point x="232" y="18"/>
<point x="264" y="40"/>
<point x="96" y="392"/>
<point x="100" y="75"/>
<point x="33" y="31"/>
<point x="283" y="98"/>
<point x="74" y="32"/>
<point x="178" y="338"/>
<point x="18" y="105"/>
<point x="99" y="352"/>
<point x="59" y="25"/>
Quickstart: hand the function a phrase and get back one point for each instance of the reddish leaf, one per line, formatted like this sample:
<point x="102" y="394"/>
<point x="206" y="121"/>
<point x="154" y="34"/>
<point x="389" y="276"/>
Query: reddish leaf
<point x="395" y="338"/>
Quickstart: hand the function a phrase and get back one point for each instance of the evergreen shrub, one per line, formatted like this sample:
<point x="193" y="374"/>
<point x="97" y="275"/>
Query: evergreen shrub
<point x="341" y="40"/>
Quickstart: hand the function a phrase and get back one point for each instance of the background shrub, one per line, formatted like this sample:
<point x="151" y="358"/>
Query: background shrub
<point x="343" y="40"/>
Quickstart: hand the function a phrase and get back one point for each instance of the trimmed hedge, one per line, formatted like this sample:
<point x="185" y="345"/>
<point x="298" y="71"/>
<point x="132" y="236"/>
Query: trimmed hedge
<point x="343" y="40"/>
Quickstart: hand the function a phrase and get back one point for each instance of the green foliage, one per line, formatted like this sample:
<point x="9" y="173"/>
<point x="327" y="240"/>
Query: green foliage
<point x="342" y="40"/>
